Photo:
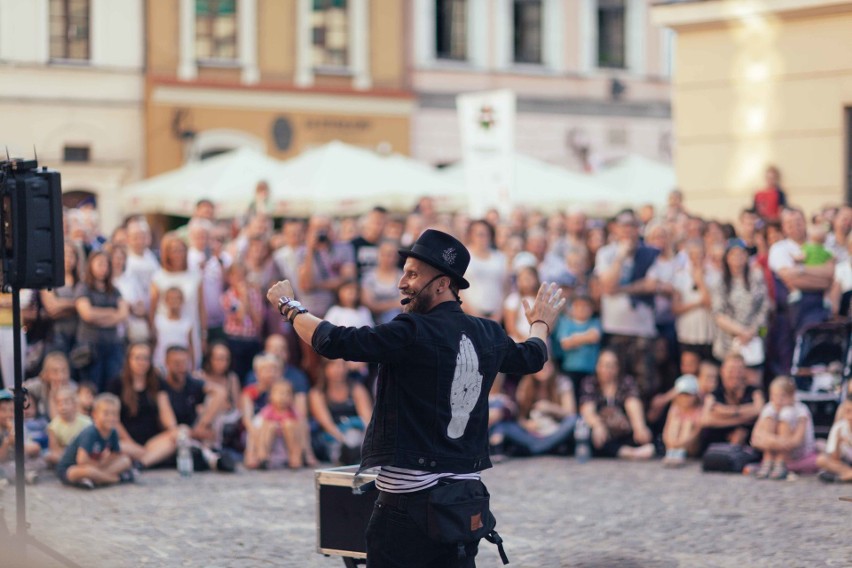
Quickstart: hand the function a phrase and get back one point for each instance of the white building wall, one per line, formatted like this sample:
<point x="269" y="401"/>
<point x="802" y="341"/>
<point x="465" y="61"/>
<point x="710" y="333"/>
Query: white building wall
<point x="48" y="105"/>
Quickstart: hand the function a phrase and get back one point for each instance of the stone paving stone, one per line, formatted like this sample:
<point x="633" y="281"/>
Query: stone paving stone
<point x="552" y="512"/>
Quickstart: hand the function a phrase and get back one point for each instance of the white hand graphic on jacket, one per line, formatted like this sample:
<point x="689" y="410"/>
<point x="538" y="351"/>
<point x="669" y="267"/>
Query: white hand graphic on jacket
<point x="467" y="385"/>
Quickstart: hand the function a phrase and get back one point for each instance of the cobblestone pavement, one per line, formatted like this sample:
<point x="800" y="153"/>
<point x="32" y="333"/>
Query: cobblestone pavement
<point x="551" y="511"/>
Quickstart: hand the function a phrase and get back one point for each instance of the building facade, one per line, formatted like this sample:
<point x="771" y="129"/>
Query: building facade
<point x="762" y="83"/>
<point x="277" y="75"/>
<point x="71" y="86"/>
<point x="591" y="76"/>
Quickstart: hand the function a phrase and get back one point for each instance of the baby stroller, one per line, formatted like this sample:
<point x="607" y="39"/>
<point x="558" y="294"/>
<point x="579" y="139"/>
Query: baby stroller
<point x="821" y="368"/>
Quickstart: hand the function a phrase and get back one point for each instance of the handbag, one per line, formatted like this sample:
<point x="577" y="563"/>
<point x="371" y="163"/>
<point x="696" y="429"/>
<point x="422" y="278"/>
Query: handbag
<point x="752" y="352"/>
<point x="459" y="513"/>
<point x="728" y="458"/>
<point x="81" y="356"/>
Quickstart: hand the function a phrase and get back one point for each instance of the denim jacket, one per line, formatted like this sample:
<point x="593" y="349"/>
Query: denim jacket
<point x="435" y="371"/>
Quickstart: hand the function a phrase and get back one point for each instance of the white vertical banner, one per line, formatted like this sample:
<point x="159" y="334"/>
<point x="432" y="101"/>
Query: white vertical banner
<point x="487" y="122"/>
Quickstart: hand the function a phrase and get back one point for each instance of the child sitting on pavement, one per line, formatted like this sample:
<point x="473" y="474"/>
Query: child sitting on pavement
<point x="784" y="433"/>
<point x="836" y="461"/>
<point x="94" y="457"/>
<point x="66" y="425"/>
<point x="683" y="423"/>
<point x="86" y="393"/>
<point x="277" y="419"/>
<point x="32" y="450"/>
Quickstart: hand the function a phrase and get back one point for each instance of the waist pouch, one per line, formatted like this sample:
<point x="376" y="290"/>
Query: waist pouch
<point x="459" y="513"/>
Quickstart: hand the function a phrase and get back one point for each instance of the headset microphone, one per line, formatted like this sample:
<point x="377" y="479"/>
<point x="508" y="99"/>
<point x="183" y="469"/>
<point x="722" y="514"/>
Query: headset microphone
<point x="406" y="301"/>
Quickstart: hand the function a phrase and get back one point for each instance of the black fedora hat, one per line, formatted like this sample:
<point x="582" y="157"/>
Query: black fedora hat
<point x="441" y="251"/>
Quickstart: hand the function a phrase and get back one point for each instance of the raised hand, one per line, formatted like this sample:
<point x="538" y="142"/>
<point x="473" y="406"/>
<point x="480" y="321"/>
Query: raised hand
<point x="547" y="305"/>
<point x="279" y="289"/>
<point x="466" y="387"/>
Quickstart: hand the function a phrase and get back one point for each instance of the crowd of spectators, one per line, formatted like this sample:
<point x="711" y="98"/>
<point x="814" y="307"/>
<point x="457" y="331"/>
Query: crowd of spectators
<point x="679" y="334"/>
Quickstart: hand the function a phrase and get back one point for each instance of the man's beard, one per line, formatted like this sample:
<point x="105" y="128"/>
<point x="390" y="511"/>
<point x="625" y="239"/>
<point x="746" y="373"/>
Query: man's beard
<point x="419" y="303"/>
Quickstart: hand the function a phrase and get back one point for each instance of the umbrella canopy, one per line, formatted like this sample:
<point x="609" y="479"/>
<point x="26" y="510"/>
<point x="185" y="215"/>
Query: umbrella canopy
<point x="539" y="185"/>
<point x="228" y="180"/>
<point x="637" y="180"/>
<point x="340" y="179"/>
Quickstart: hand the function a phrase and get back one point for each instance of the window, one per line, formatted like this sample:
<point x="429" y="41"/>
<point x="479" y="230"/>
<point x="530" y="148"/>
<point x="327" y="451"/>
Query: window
<point x="76" y="154"/>
<point x="69" y="29"/>
<point x="216" y="29"/>
<point x="611" y="34"/>
<point x="526" y="26"/>
<point x="451" y="29"/>
<point x="330" y="33"/>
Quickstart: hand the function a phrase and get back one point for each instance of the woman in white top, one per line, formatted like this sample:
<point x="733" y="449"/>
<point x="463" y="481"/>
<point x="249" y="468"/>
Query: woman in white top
<point x="379" y="290"/>
<point x="693" y="301"/>
<point x="487" y="273"/>
<point x="174" y="273"/>
<point x="514" y="316"/>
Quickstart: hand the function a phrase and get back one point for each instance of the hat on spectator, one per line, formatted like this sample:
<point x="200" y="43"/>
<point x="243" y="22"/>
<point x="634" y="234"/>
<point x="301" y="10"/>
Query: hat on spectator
<point x="686" y="384"/>
<point x="443" y="252"/>
<point x="6" y="394"/>
<point x="522" y="260"/>
<point x="626" y="217"/>
<point x="736" y="243"/>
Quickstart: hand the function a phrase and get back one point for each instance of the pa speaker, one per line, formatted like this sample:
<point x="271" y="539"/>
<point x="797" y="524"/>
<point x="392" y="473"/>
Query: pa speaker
<point x="32" y="236"/>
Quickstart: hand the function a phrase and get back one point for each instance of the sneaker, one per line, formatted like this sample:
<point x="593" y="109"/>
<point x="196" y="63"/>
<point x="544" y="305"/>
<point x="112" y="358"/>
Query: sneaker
<point x="128" y="476"/>
<point x="827" y="477"/>
<point x="31" y="477"/>
<point x="226" y="463"/>
<point x="779" y="471"/>
<point x="764" y="471"/>
<point x="86" y="483"/>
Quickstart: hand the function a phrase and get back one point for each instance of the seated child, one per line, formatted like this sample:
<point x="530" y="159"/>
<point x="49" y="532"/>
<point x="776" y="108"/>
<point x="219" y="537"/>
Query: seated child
<point x="86" y="393"/>
<point x="32" y="450"/>
<point x="683" y="423"/>
<point x="94" y="457"/>
<point x="66" y="425"/>
<point x="277" y="419"/>
<point x="784" y="433"/>
<point x="836" y="462"/>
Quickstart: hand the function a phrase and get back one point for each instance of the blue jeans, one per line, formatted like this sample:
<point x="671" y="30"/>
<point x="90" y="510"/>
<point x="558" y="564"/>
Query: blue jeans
<point x="532" y="445"/>
<point x="394" y="540"/>
<point x="107" y="361"/>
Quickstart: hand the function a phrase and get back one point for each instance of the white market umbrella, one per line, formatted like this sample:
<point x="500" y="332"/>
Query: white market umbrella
<point x="539" y="185"/>
<point x="341" y="179"/>
<point x="228" y="180"/>
<point x="637" y="181"/>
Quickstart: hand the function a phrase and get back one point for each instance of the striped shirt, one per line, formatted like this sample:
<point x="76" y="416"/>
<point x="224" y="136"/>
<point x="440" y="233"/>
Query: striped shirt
<point x="398" y="480"/>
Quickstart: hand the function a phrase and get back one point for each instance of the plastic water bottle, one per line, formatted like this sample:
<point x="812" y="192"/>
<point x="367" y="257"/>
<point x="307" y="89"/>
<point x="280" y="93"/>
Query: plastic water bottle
<point x="582" y="448"/>
<point x="184" y="454"/>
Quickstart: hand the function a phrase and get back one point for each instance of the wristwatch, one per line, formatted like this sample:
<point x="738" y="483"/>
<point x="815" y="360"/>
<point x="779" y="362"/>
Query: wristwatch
<point x="282" y="302"/>
<point x="290" y="308"/>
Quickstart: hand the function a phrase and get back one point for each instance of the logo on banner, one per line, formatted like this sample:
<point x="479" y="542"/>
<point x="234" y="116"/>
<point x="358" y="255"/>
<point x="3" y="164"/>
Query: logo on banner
<point x="486" y="117"/>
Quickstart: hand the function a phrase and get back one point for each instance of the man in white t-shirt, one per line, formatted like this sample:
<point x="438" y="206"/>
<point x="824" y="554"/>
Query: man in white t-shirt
<point x="142" y="263"/>
<point x="792" y="316"/>
<point x="627" y="302"/>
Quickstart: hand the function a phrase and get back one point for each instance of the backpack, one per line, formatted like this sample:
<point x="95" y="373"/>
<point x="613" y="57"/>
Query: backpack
<point x="729" y="458"/>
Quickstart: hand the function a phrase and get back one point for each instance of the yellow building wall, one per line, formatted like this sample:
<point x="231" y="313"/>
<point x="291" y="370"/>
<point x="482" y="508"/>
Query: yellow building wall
<point x="165" y="151"/>
<point x="162" y="36"/>
<point x="387" y="48"/>
<point x="276" y="29"/>
<point x="763" y="91"/>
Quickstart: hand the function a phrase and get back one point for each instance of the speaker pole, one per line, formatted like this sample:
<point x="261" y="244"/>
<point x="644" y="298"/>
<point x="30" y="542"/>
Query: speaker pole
<point x="20" y="502"/>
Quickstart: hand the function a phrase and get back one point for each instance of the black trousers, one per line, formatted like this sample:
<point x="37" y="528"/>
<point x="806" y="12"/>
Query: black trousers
<point x="394" y="540"/>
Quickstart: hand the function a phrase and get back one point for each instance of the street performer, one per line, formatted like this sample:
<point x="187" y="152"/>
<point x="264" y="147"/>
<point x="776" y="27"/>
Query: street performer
<point x="429" y="430"/>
